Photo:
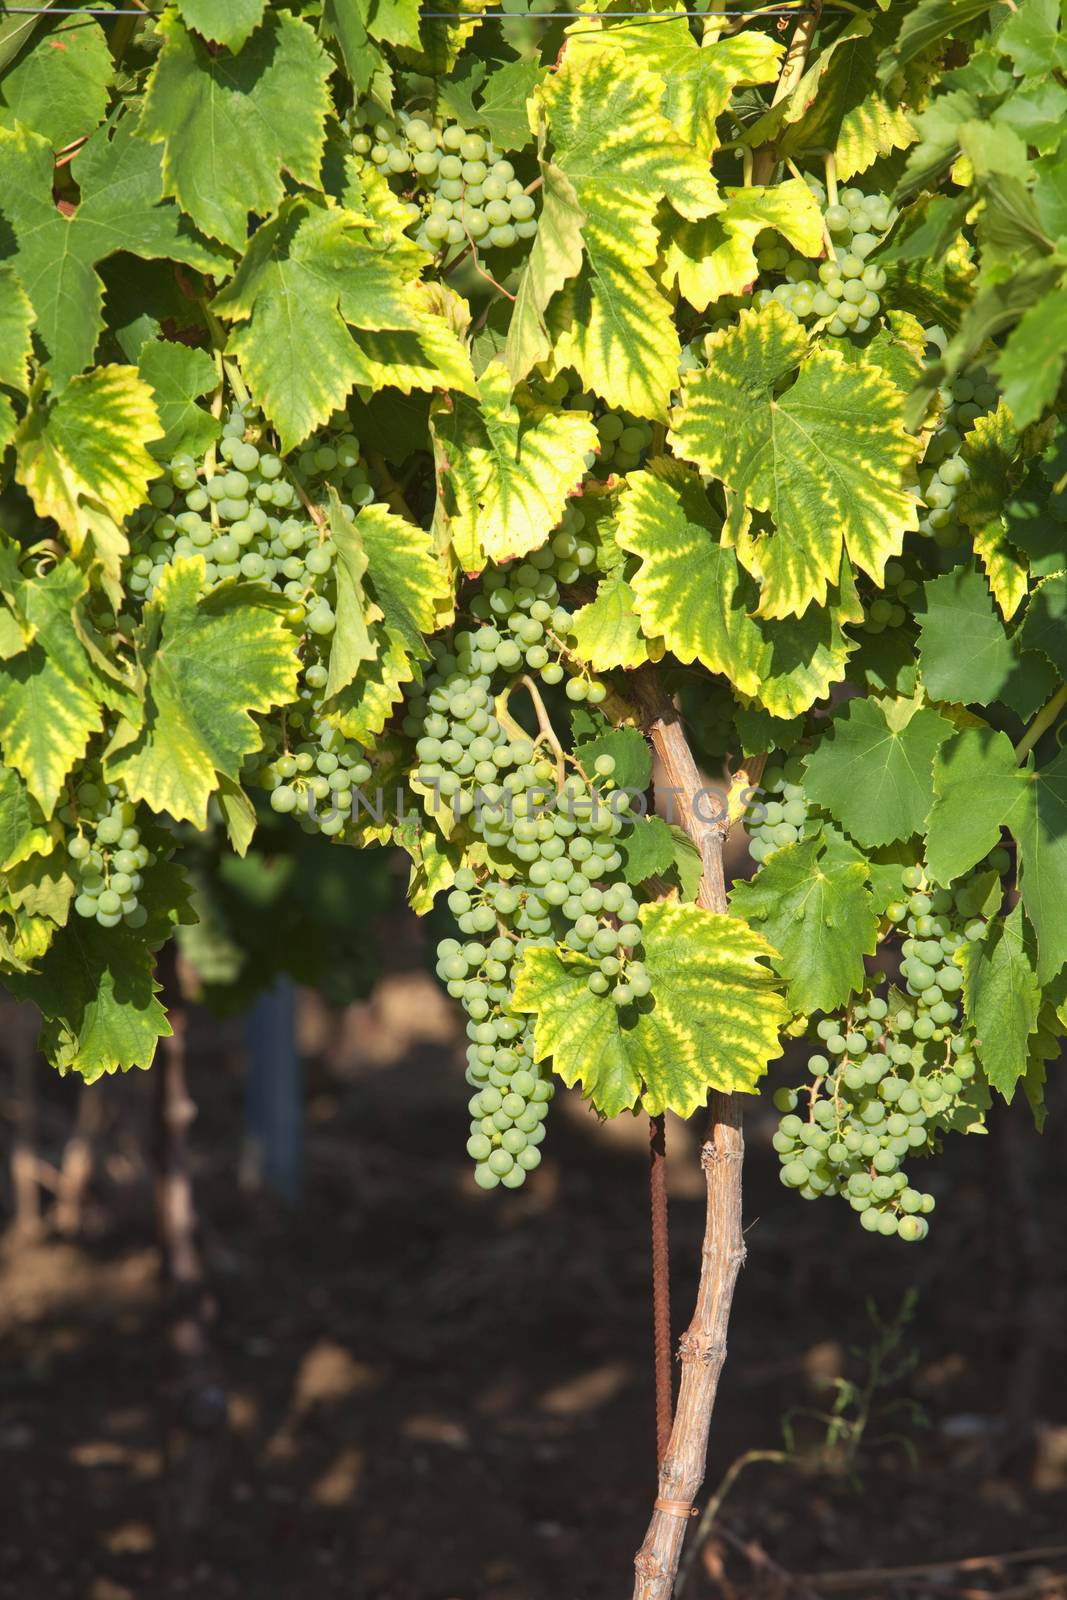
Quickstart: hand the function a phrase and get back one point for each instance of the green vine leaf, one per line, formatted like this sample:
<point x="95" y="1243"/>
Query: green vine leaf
<point x="505" y="468"/>
<point x="23" y="830"/>
<point x="232" y="125"/>
<point x="1002" y="997"/>
<point x="555" y="257"/>
<point x="228" y="22"/>
<point x="873" y="771"/>
<point x="977" y="785"/>
<point x="310" y="294"/>
<point x="826" y="459"/>
<point x="208" y="662"/>
<point x="179" y="376"/>
<point x="965" y="654"/>
<point x="606" y="633"/>
<point x="60" y="86"/>
<point x="812" y="902"/>
<point x="714" y="1023"/>
<point x="16" y="321"/>
<point x="55" y="254"/>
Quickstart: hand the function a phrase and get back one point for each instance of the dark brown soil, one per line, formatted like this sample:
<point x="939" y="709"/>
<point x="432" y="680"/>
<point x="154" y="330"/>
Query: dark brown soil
<point x="440" y="1395"/>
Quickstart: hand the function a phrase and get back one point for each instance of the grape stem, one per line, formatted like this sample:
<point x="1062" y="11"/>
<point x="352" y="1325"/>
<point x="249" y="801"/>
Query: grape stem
<point x="544" y="722"/>
<point x="1041" y="723"/>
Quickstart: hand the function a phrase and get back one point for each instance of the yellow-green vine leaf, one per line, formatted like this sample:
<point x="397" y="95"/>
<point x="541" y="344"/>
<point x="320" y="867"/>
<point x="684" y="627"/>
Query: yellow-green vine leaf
<point x="23" y="831"/>
<point x="696" y="80"/>
<point x="555" y="256"/>
<point x="312" y="283"/>
<point x="232" y="125"/>
<point x="1002" y="997"/>
<point x="505" y="467"/>
<point x="612" y="322"/>
<point x="50" y="700"/>
<point x="827" y="459"/>
<point x="83" y="458"/>
<point x="716" y="256"/>
<point x="228" y="22"/>
<point x="209" y="661"/>
<point x="407" y="595"/>
<point x="989" y="450"/>
<point x="713" y="1023"/>
<point x="351" y="642"/>
<point x="840" y="104"/>
<point x="690" y="590"/>
<point x="606" y="633"/>
<point x="16" y="320"/>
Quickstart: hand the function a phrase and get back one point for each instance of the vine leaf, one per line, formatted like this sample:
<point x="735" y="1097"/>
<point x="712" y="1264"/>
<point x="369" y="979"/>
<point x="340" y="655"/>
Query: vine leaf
<point x="55" y="255"/>
<point x="59" y="88"/>
<point x="16" y="320"/>
<point x="1045" y="625"/>
<point x="231" y="125"/>
<point x="716" y="256"/>
<point x="1002" y="997"/>
<point x="989" y="451"/>
<point x="826" y="459"/>
<point x="555" y="256"/>
<point x="49" y="707"/>
<point x="208" y="661"/>
<point x="697" y="81"/>
<point x="690" y="590"/>
<point x="228" y="22"/>
<point x="980" y="789"/>
<point x="714" y="1023"/>
<point x="84" y="462"/>
<point x="503" y="109"/>
<point x="407" y="595"/>
<point x="96" y="989"/>
<point x="648" y="849"/>
<point x="179" y="375"/>
<point x="312" y="282"/>
<point x="505" y="469"/>
<point x="965" y="655"/>
<point x="873" y="770"/>
<point x="606" y="633"/>
<point x="977" y="785"/>
<point x="622" y="157"/>
<point x="23" y="832"/>
<point x="812" y="901"/>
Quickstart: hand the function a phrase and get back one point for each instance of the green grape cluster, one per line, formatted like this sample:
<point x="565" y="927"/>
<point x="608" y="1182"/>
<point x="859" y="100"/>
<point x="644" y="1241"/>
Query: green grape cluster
<point x="944" y="472"/>
<point x="544" y="831"/>
<point x="783" y="818"/>
<point x="470" y="191"/>
<point x="624" y="438"/>
<point x="896" y="1071"/>
<point x="892" y="607"/>
<point x="843" y="291"/>
<point x="316" y="779"/>
<point x="106" y="852"/>
<point x="247" y="515"/>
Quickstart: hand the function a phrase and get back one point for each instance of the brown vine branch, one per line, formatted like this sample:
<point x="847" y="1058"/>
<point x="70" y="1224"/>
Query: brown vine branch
<point x="702" y="1348"/>
<point x="792" y="71"/>
<point x="661" y="1282"/>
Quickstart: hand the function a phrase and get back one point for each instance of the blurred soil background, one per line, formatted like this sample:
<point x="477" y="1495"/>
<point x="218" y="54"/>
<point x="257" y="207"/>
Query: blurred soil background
<point x="422" y="1392"/>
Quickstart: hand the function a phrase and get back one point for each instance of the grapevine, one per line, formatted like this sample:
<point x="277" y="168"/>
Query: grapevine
<point x="534" y="447"/>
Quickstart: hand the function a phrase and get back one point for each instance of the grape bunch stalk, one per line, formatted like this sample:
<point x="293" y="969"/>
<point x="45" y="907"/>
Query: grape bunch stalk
<point x="896" y="1070"/>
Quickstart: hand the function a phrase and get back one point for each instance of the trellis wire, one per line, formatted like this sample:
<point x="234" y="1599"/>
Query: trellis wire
<point x="449" y="16"/>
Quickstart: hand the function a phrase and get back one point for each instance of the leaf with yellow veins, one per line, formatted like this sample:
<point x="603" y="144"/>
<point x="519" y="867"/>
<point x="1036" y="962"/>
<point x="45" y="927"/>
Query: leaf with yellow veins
<point x="817" y="442"/>
<point x="990" y="451"/>
<point x="712" y="1020"/>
